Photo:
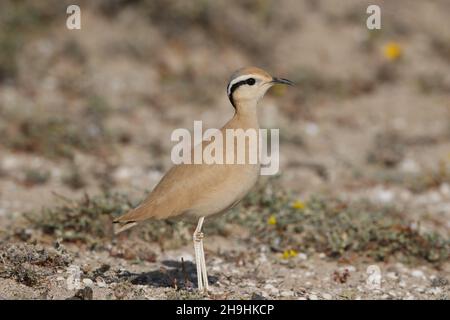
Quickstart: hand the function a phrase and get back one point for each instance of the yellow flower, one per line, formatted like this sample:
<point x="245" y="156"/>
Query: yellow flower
<point x="300" y="205"/>
<point x="392" y="51"/>
<point x="272" y="220"/>
<point x="289" y="254"/>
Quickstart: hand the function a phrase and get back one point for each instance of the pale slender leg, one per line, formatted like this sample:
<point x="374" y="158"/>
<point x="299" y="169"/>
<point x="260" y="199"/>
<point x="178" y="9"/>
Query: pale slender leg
<point x="200" y="256"/>
<point x="203" y="262"/>
<point x="198" y="263"/>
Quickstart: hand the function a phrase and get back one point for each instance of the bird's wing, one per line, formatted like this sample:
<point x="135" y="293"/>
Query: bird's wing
<point x="193" y="188"/>
<point x="181" y="188"/>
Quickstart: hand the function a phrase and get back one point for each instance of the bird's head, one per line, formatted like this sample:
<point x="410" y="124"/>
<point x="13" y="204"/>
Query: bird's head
<point x="248" y="85"/>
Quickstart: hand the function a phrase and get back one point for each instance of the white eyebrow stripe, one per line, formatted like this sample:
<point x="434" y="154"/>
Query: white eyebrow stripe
<point x="238" y="79"/>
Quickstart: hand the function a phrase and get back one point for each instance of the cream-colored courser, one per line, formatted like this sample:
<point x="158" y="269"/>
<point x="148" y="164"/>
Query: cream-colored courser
<point x="201" y="190"/>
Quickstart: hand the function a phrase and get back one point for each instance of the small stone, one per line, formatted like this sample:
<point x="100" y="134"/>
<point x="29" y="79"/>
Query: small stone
<point x="348" y="268"/>
<point x="268" y="287"/>
<point x="435" y="291"/>
<point x="311" y="129"/>
<point x="327" y="296"/>
<point x="88" y="282"/>
<point x="445" y="189"/>
<point x="100" y="282"/>
<point x="302" y="256"/>
<point x="417" y="274"/>
<point x="86" y="268"/>
<point x="392" y="275"/>
<point x="287" y="294"/>
<point x="312" y="297"/>
<point x="275" y="291"/>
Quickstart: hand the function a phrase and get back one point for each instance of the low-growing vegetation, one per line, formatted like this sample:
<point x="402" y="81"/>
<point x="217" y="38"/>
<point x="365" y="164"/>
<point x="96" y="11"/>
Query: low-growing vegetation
<point x="320" y="224"/>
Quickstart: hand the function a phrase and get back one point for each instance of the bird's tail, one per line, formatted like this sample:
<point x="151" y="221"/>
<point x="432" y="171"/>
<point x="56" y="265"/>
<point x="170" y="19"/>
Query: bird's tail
<point x="129" y="219"/>
<point x="122" y="226"/>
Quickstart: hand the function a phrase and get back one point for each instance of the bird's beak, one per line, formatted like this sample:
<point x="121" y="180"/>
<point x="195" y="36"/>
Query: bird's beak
<point x="282" y="81"/>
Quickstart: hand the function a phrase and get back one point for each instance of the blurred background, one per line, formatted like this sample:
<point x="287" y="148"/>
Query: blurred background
<point x="91" y="111"/>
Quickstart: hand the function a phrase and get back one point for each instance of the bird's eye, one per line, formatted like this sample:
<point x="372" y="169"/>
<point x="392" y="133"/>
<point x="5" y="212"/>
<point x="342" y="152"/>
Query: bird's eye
<point x="251" y="81"/>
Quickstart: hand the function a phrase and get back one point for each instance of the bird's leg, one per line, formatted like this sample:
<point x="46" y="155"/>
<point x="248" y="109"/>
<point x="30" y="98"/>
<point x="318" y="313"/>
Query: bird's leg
<point x="199" y="255"/>
<point x="203" y="263"/>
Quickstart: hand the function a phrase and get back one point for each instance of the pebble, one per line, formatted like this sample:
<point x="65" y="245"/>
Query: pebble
<point x="392" y="275"/>
<point x="312" y="297"/>
<point x="420" y="290"/>
<point x="268" y="287"/>
<point x="302" y="256"/>
<point x="348" y="268"/>
<point x="272" y="289"/>
<point x="287" y="294"/>
<point x="327" y="296"/>
<point x="100" y="282"/>
<point x="417" y="274"/>
<point x="312" y="129"/>
<point x="445" y="189"/>
<point x="392" y="293"/>
<point x="88" y="282"/>
<point x="435" y="291"/>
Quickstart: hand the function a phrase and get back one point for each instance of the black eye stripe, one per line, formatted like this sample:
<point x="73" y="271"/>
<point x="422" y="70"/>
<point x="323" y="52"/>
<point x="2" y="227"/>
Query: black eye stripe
<point x="250" y="81"/>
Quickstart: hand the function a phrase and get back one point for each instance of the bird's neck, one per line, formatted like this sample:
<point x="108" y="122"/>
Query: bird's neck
<point x="246" y="112"/>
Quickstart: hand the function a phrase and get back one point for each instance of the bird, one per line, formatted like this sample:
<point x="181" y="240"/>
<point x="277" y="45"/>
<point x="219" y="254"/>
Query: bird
<point x="197" y="191"/>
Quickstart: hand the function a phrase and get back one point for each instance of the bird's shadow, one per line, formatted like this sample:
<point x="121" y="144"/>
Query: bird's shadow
<point x="174" y="274"/>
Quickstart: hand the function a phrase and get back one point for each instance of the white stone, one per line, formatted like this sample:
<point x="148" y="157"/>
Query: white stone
<point x="417" y="274"/>
<point x="268" y="287"/>
<point x="287" y="294"/>
<point x="445" y="189"/>
<point x="327" y="296"/>
<point x="88" y="282"/>
<point x="302" y="256"/>
<point x="312" y="129"/>
<point x="392" y="275"/>
<point x="409" y="166"/>
<point x="348" y="268"/>
<point x="100" y="282"/>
